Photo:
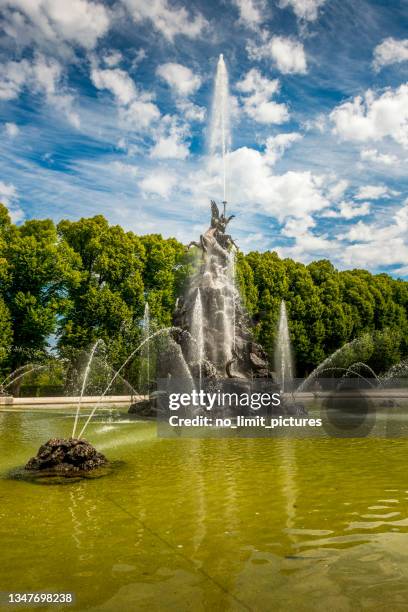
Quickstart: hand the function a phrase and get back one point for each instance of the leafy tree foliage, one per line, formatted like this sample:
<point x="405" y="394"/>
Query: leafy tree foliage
<point x="86" y="279"/>
<point x="327" y="308"/>
<point x="33" y="281"/>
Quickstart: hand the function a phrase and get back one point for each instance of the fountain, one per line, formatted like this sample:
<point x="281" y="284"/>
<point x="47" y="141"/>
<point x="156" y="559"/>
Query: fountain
<point x="197" y="332"/>
<point x="146" y="334"/>
<point x="220" y="133"/>
<point x="283" y="352"/>
<point x="210" y="344"/>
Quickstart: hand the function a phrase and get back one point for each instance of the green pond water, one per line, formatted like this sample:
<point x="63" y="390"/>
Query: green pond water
<point x="208" y="524"/>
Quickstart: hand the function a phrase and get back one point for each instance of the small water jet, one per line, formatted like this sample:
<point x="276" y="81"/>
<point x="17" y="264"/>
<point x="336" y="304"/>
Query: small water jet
<point x="84" y="383"/>
<point x="146" y="334"/>
<point x="283" y="352"/>
<point x="117" y="373"/>
<point x="197" y="332"/>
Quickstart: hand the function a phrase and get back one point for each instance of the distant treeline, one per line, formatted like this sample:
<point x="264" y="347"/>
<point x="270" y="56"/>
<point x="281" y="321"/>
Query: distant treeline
<point x="78" y="281"/>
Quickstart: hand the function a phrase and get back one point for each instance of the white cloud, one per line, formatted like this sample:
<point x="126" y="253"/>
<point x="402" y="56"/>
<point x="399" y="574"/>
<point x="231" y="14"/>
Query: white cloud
<point x="168" y="19"/>
<point x="78" y="22"/>
<point x="140" y="114"/>
<point x="137" y="110"/>
<point x="12" y="130"/>
<point x="374" y="192"/>
<point x="337" y="190"/>
<point x="112" y="58"/>
<point x="374" y="117"/>
<point x="180" y="78"/>
<point x="318" y="123"/>
<point x="349" y="210"/>
<point x="170" y="141"/>
<point x="277" y="145"/>
<point x="42" y="76"/>
<point x="117" y="81"/>
<point x="307" y="10"/>
<point x="287" y="53"/>
<point x="9" y="197"/>
<point x="390" y="51"/>
<point x="257" y="102"/>
<point x="191" y="111"/>
<point x="158" y="182"/>
<point x="254" y="185"/>
<point x="379" y="244"/>
<point x="372" y="155"/>
<point x="307" y="245"/>
<point x="8" y="192"/>
<point x="251" y="12"/>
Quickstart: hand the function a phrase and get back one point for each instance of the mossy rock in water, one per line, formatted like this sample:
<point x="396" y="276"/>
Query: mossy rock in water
<point x="66" y="457"/>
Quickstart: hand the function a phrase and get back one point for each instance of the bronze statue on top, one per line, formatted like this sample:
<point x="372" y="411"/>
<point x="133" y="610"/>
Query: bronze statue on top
<point x="215" y="238"/>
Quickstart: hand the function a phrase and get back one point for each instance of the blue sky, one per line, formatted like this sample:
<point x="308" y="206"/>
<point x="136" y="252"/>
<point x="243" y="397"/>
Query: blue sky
<point x="105" y="107"/>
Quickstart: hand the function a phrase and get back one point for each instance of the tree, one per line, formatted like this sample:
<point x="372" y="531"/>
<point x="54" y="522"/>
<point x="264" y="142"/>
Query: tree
<point x="108" y="300"/>
<point x="6" y="333"/>
<point x="34" y="285"/>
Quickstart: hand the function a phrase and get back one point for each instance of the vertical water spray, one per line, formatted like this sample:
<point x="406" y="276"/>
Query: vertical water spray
<point x="235" y="297"/>
<point x="146" y="334"/>
<point x="220" y="134"/>
<point x="283" y="351"/>
<point x="197" y="331"/>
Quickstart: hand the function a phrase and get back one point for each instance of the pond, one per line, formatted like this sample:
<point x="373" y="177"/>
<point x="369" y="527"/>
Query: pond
<point x="208" y="524"/>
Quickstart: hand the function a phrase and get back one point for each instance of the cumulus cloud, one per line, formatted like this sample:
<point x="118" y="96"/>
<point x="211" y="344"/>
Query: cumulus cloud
<point x="183" y="83"/>
<point x="251" y="12"/>
<point x="306" y="10"/>
<point x="372" y="155"/>
<point x="41" y="76"/>
<point x="168" y="19"/>
<point x="180" y="78"/>
<point x="170" y="140"/>
<point x="379" y="244"/>
<point x="287" y="53"/>
<point x="158" y="182"/>
<point x="12" y="130"/>
<point x="374" y="117"/>
<point x="191" y="111"/>
<point x="390" y="51"/>
<point x="137" y="110"/>
<point x="277" y="145"/>
<point x="117" y="81"/>
<point x="257" y="93"/>
<point x="77" y="22"/>
<point x="337" y="190"/>
<point x="253" y="184"/>
<point x="374" y="192"/>
<point x="349" y="210"/>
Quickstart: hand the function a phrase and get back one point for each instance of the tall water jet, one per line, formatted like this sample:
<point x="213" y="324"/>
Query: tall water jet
<point x="220" y="133"/>
<point x="283" y="351"/>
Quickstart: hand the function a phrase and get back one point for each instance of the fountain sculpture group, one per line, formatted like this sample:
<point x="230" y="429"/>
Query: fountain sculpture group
<point x="211" y="344"/>
<point x="213" y="313"/>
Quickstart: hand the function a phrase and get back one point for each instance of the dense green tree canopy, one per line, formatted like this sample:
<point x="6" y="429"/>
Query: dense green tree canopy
<point x="72" y="284"/>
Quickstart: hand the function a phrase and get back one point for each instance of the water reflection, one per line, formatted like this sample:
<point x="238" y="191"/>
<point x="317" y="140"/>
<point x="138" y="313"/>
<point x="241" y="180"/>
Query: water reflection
<point x="210" y="524"/>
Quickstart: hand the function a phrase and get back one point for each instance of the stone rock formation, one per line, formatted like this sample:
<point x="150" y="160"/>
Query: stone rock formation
<point x="65" y="457"/>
